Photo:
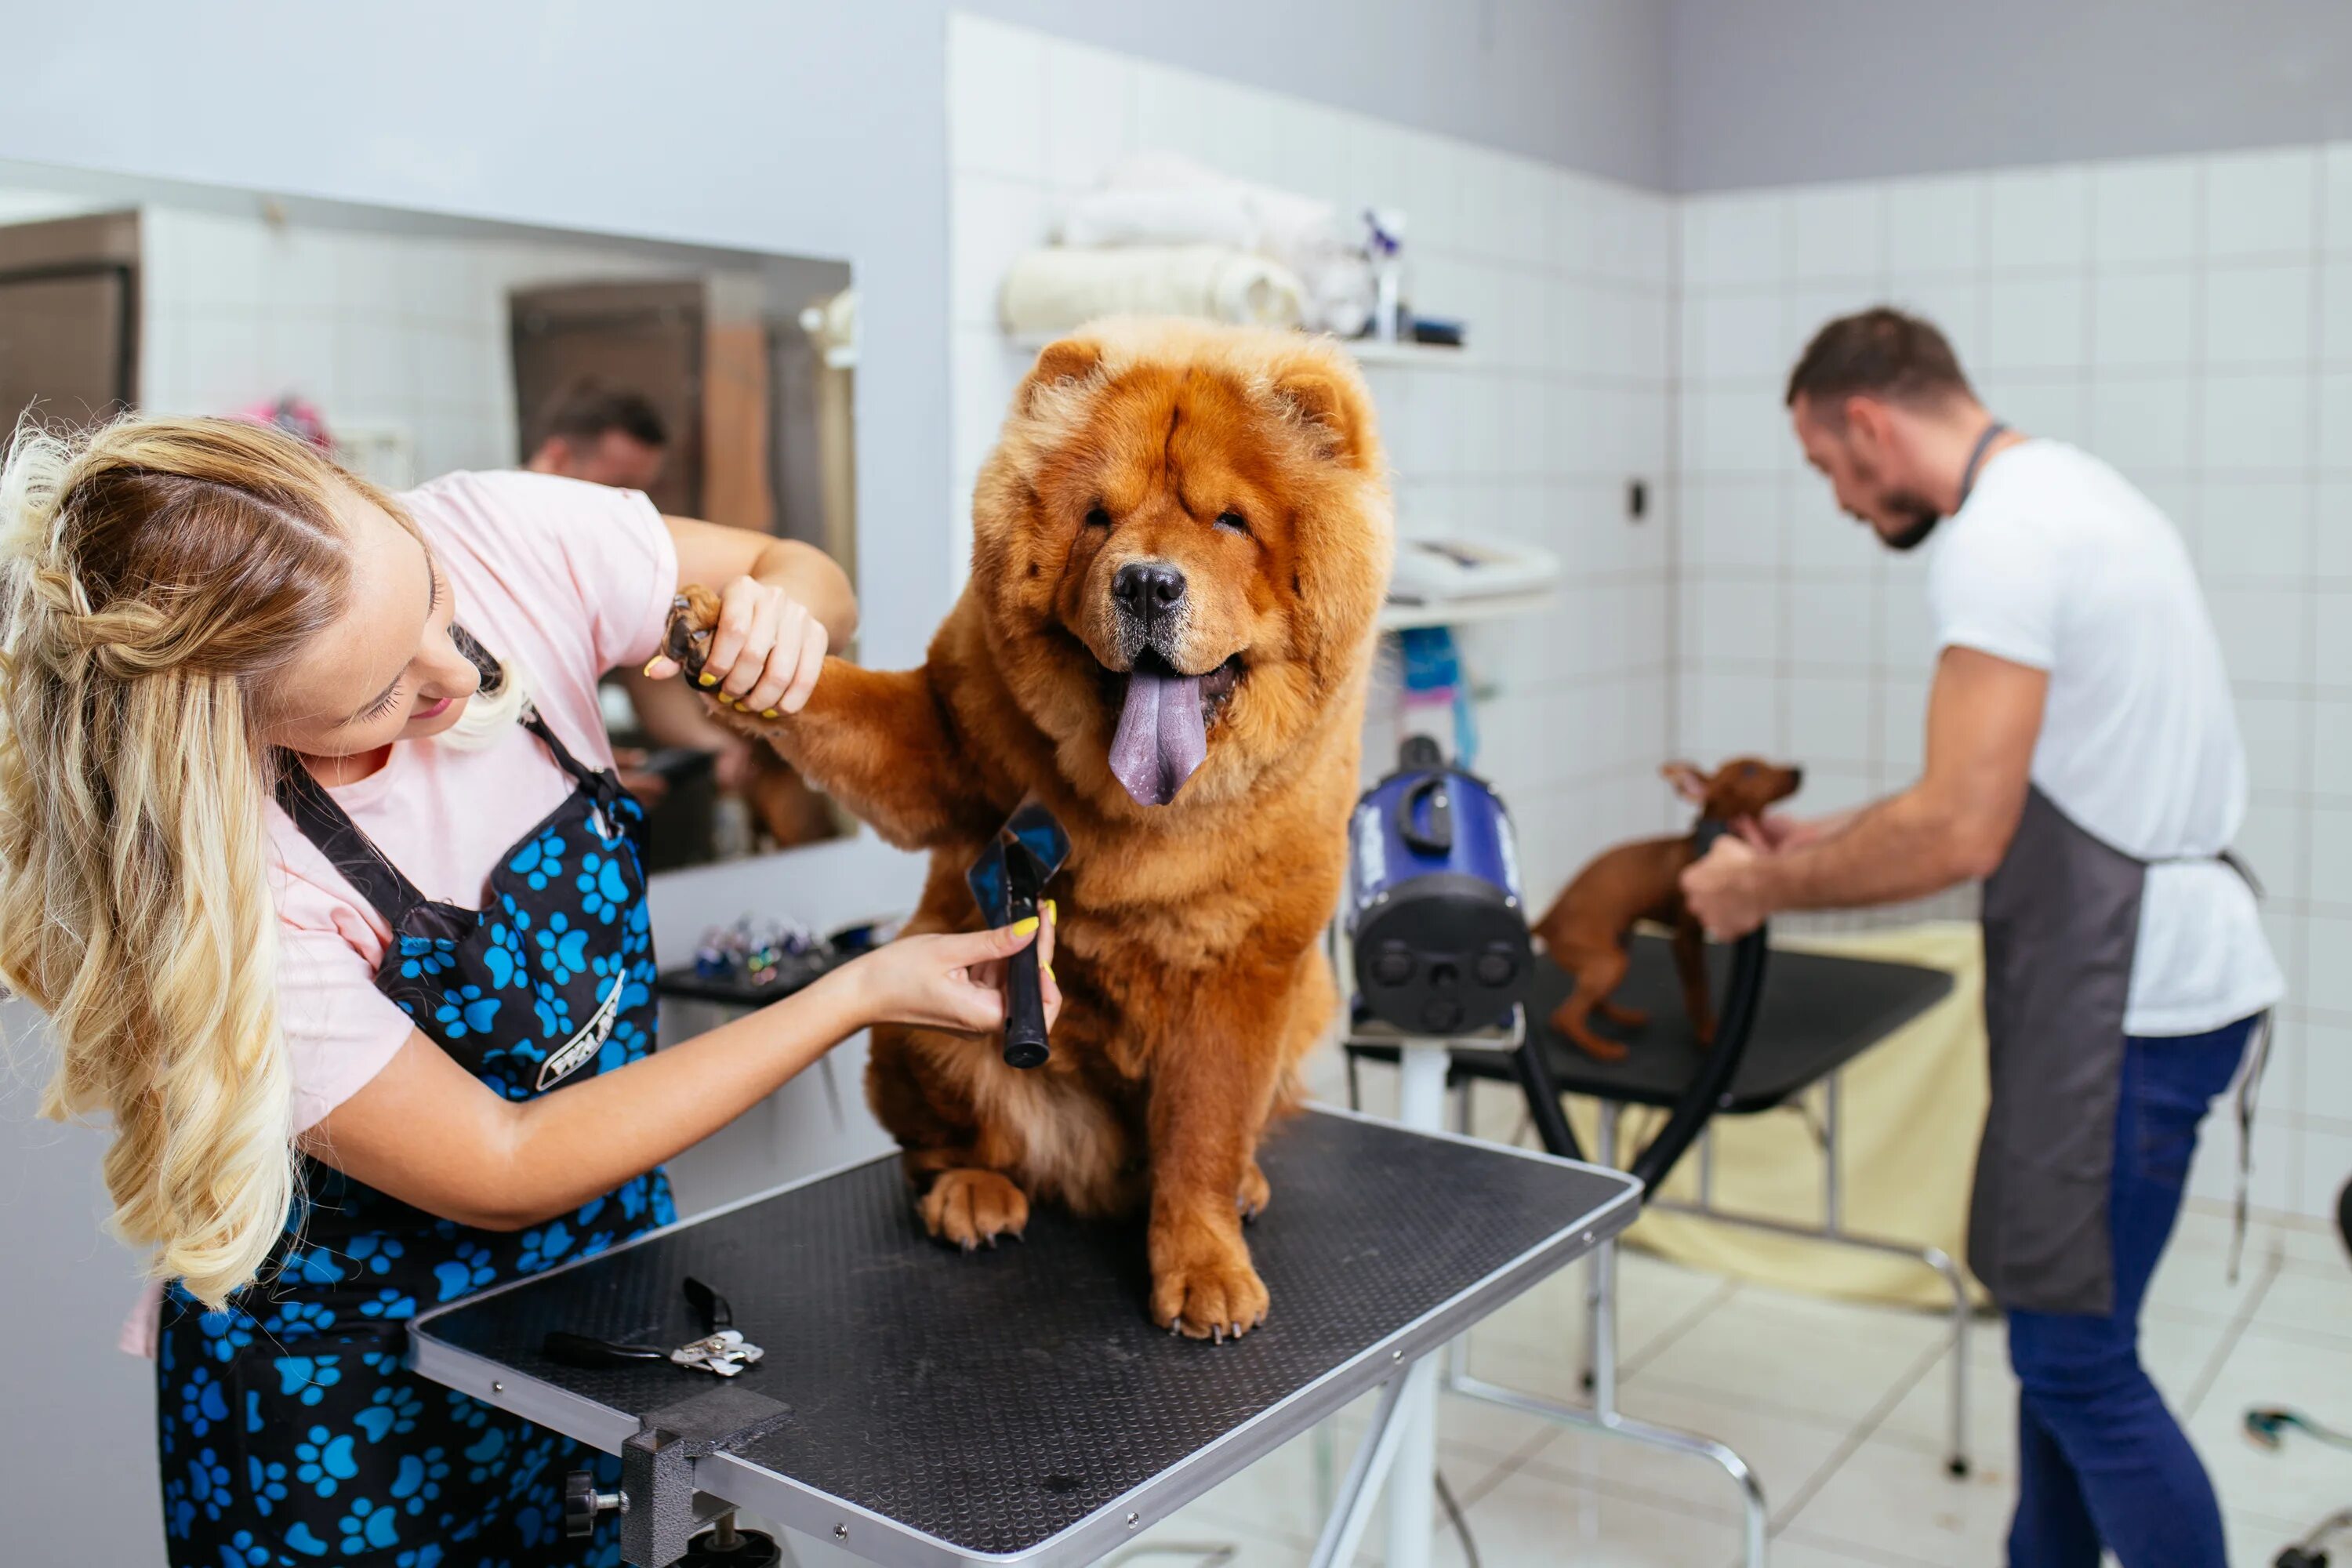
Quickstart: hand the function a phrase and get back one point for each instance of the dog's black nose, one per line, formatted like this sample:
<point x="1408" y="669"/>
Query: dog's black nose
<point x="1147" y="588"/>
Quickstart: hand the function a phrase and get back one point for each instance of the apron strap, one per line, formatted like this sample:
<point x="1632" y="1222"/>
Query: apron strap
<point x="324" y="822"/>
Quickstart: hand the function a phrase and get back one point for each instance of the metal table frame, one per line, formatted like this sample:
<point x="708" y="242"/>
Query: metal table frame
<point x="1395" y="1364"/>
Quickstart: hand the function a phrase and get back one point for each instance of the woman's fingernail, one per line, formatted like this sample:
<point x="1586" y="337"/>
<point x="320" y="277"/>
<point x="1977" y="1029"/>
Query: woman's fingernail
<point x="1051" y="912"/>
<point x="1024" y="927"/>
<point x="649" y="666"/>
<point x="767" y="712"/>
<point x="1049" y="971"/>
<point x="706" y="678"/>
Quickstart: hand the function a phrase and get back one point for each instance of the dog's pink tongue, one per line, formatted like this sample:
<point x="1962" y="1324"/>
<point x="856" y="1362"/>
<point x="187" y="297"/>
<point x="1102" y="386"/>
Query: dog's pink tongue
<point x="1161" y="737"/>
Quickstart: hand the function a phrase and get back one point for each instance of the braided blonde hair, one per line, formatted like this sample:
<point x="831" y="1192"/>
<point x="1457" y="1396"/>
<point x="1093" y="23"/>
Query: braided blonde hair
<point x="154" y="575"/>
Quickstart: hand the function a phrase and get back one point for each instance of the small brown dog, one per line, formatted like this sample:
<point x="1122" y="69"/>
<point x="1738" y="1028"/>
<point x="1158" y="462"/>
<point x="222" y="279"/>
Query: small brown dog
<point x="1586" y="929"/>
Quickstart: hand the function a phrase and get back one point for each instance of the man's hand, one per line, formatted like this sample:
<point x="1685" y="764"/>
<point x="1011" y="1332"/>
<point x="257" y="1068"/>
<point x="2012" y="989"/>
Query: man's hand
<point x="1725" y="889"/>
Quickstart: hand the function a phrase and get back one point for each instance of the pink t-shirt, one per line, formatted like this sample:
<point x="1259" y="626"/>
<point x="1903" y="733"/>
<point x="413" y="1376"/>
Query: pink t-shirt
<point x="567" y="580"/>
<point x="564" y="578"/>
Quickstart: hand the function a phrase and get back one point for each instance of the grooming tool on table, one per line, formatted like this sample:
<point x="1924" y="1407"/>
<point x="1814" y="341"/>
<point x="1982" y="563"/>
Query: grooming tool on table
<point x="722" y="1350"/>
<point x="1006" y="882"/>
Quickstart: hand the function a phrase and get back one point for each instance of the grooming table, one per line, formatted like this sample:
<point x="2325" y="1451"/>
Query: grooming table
<point x="1017" y="1405"/>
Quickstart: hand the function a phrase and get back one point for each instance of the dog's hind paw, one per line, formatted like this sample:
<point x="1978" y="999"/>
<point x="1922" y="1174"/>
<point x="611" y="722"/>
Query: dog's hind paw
<point x="967" y="1207"/>
<point x="1255" y="1192"/>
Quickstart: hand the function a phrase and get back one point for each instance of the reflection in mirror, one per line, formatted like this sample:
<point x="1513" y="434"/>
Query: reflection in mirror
<point x="411" y="345"/>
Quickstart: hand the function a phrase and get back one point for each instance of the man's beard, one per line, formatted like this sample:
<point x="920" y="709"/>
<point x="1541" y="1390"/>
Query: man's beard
<point x="1919" y="522"/>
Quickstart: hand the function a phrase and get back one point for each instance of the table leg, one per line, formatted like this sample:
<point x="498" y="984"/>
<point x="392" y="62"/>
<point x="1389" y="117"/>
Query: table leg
<point x="1412" y="1483"/>
<point x="1343" y="1530"/>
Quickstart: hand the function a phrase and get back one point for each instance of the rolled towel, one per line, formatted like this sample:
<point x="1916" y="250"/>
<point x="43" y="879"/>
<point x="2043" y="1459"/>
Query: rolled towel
<point x="1056" y="290"/>
<point x="1220" y="214"/>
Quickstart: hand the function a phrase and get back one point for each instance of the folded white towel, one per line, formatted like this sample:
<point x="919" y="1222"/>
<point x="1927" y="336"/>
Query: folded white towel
<point x="1056" y="290"/>
<point x="1166" y="199"/>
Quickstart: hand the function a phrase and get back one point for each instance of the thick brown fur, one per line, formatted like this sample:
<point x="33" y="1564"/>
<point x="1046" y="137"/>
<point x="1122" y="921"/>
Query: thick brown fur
<point x="1587" y="928"/>
<point x="1188" y="933"/>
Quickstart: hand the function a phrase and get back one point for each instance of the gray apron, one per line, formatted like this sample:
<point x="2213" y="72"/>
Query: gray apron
<point x="2061" y="924"/>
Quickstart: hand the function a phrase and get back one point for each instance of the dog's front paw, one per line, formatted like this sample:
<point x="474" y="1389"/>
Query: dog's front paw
<point x="693" y="616"/>
<point x="1213" y="1296"/>
<point x="967" y="1207"/>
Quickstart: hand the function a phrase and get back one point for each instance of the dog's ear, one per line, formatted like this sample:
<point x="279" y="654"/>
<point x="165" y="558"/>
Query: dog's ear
<point x="1330" y="409"/>
<point x="1059" y="362"/>
<point x="1689" y="781"/>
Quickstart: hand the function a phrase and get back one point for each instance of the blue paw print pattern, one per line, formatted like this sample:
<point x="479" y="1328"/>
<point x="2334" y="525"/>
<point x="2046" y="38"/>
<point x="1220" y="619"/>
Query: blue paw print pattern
<point x="468" y="1270"/>
<point x="298" y="1320"/>
<point x="604" y="888"/>
<point x="563" y="949"/>
<point x="325" y="1461"/>
<point x="540" y="862"/>
<point x="543" y="1248"/>
<point x="265" y="1483"/>
<point x="208" y="1483"/>
<point x="392" y="1305"/>
<point x="204" y="1403"/>
<point x="418" y="1482"/>
<point x="374" y="1254"/>
<point x="307" y="1378"/>
<point x="504" y="959"/>
<point x="226" y="1332"/>
<point x="554" y="1011"/>
<point x="242" y="1551"/>
<point x="423" y="957"/>
<point x="393" y="1411"/>
<point x="369" y="1527"/>
<point x="465" y="1011"/>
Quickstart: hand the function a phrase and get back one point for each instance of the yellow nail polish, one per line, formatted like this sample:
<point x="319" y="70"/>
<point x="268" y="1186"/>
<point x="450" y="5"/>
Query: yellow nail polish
<point x="706" y="678"/>
<point x="1051" y="912"/>
<point x="1024" y="927"/>
<point x="649" y="666"/>
<point x="767" y="712"/>
<point x="1049" y="971"/>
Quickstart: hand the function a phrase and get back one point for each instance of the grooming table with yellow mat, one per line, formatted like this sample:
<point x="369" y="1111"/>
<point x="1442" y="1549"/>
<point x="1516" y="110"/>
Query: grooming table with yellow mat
<point x="1909" y="1111"/>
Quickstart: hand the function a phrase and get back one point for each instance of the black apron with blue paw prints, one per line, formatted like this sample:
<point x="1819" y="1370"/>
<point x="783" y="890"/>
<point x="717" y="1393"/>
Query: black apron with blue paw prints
<point x="291" y="1432"/>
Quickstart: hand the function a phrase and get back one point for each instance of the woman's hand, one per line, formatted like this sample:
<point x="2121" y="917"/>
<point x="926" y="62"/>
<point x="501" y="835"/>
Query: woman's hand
<point x="765" y="653"/>
<point x="951" y="980"/>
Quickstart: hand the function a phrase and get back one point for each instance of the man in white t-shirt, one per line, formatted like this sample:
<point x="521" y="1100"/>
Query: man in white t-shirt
<point x="2082" y="760"/>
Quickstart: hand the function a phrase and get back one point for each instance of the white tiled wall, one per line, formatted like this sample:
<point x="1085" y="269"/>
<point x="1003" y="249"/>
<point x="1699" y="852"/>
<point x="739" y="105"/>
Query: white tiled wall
<point x="373" y="326"/>
<point x="1564" y="282"/>
<point x="2190" y="321"/>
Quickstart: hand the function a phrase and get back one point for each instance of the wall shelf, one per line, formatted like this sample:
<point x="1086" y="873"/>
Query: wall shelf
<point x="1397" y="618"/>
<point x="1428" y="356"/>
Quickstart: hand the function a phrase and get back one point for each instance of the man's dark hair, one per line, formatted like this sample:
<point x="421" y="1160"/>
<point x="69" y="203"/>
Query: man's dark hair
<point x="1879" y="353"/>
<point x="582" y="410"/>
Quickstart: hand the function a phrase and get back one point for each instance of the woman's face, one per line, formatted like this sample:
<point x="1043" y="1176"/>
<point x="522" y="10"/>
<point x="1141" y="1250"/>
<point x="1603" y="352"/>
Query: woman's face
<point x="386" y="670"/>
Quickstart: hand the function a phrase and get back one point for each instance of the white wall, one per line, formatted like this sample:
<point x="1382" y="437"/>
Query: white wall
<point x="2190" y="321"/>
<point x="1560" y="399"/>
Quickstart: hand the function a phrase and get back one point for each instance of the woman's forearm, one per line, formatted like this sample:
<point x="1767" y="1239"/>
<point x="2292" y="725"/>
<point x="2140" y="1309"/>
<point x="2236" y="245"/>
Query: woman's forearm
<point x="428" y="1133"/>
<point x="570" y="1146"/>
<point x="817" y="580"/>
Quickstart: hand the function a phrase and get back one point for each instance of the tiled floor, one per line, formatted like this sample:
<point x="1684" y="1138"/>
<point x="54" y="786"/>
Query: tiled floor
<point x="1840" y="1408"/>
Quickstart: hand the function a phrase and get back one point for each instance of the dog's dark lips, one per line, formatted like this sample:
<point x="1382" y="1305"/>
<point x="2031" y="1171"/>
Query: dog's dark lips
<point x="1217" y="686"/>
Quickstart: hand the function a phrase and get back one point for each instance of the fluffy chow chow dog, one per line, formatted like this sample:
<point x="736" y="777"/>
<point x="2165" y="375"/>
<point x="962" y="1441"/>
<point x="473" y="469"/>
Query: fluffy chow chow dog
<point x="1180" y="544"/>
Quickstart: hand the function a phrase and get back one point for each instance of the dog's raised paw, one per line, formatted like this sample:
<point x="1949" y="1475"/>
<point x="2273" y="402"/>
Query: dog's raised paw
<point x="693" y="616"/>
<point x="968" y="1208"/>
<point x="1213" y="1301"/>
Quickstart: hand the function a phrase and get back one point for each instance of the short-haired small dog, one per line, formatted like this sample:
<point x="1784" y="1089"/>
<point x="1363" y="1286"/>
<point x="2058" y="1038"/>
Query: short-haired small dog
<point x="1586" y="930"/>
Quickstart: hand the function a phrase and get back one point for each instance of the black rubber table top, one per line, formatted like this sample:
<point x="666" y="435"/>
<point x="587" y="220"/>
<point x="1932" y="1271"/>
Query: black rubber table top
<point x="1819" y="1012"/>
<point x="992" y="1402"/>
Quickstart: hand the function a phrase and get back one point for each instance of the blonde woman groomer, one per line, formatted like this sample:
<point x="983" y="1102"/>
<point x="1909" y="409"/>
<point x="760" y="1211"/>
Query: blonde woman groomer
<point x="311" y="850"/>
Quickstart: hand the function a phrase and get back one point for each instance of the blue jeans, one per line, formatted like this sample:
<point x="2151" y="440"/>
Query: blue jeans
<point x="2100" y="1460"/>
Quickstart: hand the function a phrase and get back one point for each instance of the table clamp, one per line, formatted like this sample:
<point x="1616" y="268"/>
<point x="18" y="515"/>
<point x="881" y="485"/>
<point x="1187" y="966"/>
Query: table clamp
<point x="657" y="1503"/>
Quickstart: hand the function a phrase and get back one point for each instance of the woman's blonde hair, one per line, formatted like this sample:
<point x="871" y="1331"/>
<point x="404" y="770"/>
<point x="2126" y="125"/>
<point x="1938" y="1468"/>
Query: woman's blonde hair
<point x="155" y="574"/>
